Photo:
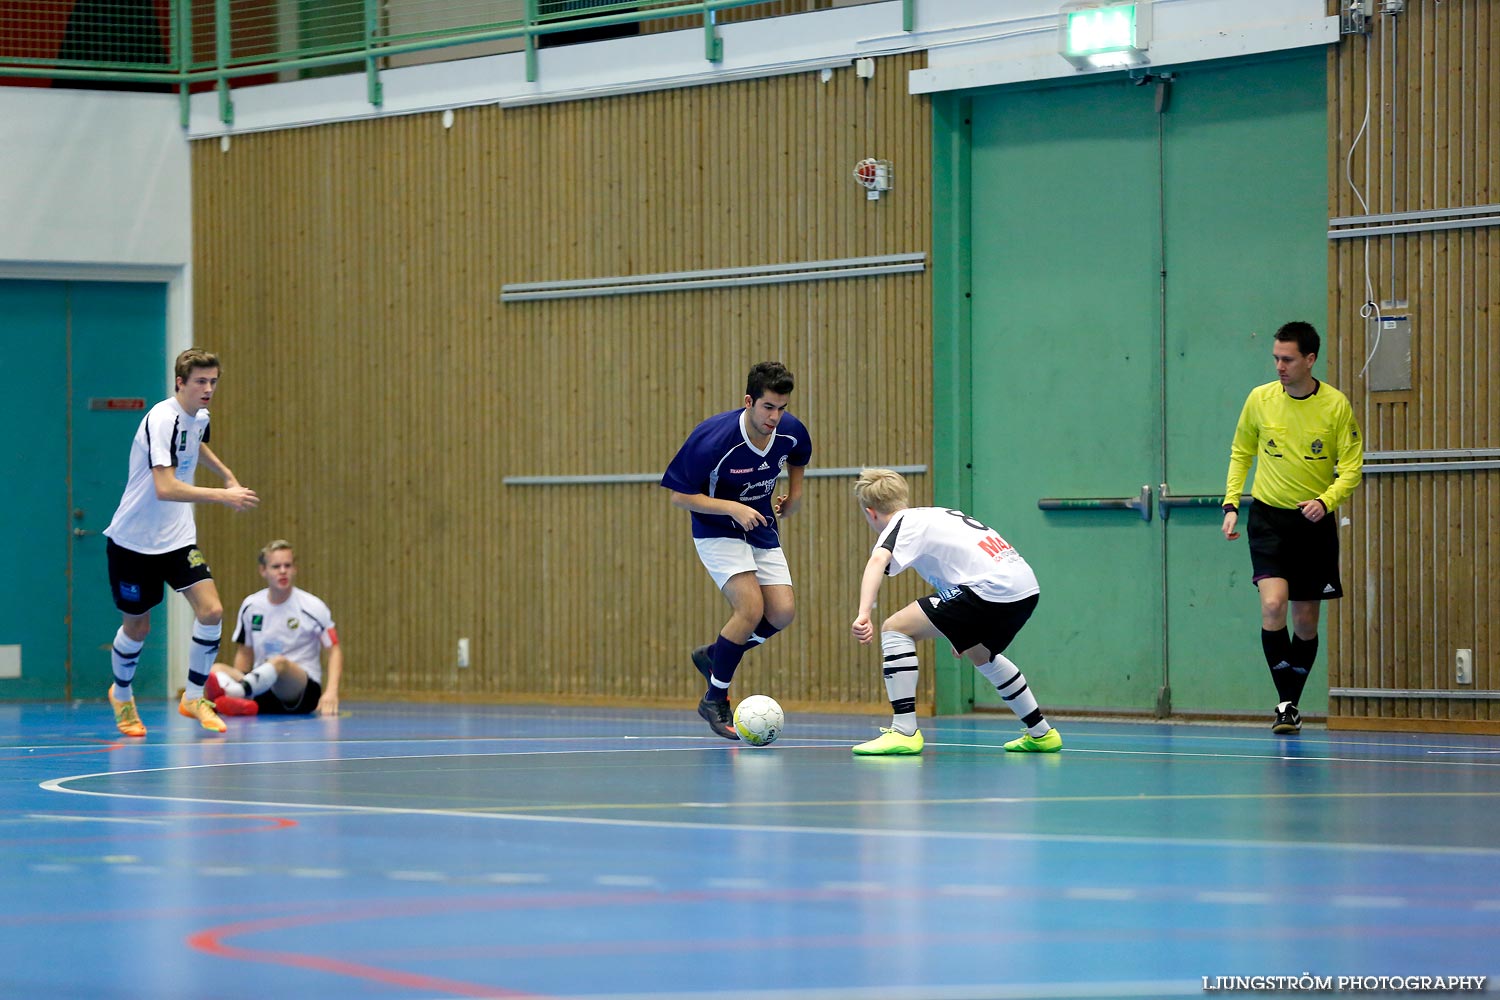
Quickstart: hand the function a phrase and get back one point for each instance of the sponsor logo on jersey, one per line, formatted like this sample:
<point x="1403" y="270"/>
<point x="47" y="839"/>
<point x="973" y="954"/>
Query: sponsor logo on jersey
<point x="994" y="546"/>
<point x="256" y="622"/>
<point x="740" y="472"/>
<point x="757" y="491"/>
<point x="763" y="467"/>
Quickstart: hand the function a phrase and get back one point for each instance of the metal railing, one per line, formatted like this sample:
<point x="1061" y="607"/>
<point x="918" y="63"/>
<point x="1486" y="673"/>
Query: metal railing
<point x="190" y="45"/>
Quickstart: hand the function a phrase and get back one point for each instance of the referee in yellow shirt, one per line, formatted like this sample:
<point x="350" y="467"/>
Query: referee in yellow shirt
<point x="1311" y="458"/>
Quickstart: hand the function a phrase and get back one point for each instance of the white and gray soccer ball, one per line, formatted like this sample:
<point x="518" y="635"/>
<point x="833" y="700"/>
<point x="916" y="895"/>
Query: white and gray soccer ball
<point x="759" y="720"/>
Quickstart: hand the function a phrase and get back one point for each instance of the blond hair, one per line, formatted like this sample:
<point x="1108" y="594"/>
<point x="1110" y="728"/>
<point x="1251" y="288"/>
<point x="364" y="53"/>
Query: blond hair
<point x="276" y="546"/>
<point x="882" y="490"/>
<point x="195" y="357"/>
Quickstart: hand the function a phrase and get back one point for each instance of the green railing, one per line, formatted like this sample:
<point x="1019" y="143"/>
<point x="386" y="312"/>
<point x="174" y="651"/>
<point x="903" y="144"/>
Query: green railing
<point x="190" y="45"/>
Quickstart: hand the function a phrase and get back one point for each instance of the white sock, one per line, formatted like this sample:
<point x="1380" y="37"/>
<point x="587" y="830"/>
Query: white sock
<point x="231" y="687"/>
<point x="900" y="669"/>
<point x="260" y="679"/>
<point x="201" y="657"/>
<point x="1011" y="684"/>
<point x="124" y="655"/>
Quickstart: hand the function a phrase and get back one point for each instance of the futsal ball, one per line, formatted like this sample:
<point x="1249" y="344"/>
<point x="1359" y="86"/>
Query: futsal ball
<point x="758" y="720"/>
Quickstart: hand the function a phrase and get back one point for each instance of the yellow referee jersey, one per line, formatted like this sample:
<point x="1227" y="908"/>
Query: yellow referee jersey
<point x="1307" y="448"/>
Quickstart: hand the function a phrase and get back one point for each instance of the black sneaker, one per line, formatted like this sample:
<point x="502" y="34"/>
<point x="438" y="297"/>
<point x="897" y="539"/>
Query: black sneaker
<point x="1288" y="719"/>
<point x="703" y="659"/>
<point x="720" y="718"/>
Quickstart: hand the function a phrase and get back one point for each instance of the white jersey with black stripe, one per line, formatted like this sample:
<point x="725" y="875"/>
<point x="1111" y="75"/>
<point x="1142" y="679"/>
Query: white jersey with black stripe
<point x="170" y="437"/>
<point x="299" y="628"/>
<point x="950" y="549"/>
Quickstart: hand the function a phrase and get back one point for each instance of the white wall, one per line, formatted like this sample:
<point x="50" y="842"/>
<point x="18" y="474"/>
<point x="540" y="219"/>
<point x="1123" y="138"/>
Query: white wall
<point x="93" y="178"/>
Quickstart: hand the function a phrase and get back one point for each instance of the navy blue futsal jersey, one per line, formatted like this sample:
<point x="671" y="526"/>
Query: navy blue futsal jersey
<point x="719" y="461"/>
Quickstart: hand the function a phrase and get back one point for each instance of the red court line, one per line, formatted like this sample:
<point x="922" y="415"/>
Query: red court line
<point x="212" y="940"/>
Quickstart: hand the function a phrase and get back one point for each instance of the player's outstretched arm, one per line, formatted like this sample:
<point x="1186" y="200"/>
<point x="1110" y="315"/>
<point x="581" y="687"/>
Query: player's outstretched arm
<point x="169" y="487"/>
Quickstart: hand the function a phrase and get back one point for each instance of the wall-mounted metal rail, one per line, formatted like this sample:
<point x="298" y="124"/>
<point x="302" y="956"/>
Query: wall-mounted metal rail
<point x="1338" y="692"/>
<point x="721" y="277"/>
<point x="655" y="477"/>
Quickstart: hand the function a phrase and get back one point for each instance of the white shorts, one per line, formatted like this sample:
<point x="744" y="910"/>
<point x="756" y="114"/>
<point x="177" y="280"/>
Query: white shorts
<point x="726" y="557"/>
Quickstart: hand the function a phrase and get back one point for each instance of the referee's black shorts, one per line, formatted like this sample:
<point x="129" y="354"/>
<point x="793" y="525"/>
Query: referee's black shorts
<point x="1304" y="553"/>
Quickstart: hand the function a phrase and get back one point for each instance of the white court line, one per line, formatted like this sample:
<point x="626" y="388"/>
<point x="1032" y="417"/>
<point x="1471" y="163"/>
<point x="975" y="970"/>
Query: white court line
<point x="96" y="819"/>
<point x="1248" y="756"/>
<point x="58" y="785"/>
<point x="814" y="831"/>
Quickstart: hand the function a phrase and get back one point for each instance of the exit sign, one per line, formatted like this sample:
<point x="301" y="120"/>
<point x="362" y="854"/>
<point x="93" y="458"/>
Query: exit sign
<point x="1104" y="35"/>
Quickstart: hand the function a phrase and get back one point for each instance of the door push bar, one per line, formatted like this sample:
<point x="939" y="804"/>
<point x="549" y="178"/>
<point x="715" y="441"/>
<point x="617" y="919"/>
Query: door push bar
<point x="1141" y="503"/>
<point x="1167" y="500"/>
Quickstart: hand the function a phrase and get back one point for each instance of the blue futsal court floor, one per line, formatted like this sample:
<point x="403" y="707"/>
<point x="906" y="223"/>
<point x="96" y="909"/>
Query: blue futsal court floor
<point x="432" y="851"/>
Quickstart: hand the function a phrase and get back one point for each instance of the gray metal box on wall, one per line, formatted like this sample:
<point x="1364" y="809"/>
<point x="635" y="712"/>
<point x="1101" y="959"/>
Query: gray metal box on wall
<point x="1390" y="364"/>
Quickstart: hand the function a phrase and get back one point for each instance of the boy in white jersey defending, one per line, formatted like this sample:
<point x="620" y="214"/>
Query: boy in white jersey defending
<point x="283" y="632"/>
<point x="725" y="474"/>
<point x="985" y="593"/>
<point x="153" y="539"/>
<point x="1304" y="440"/>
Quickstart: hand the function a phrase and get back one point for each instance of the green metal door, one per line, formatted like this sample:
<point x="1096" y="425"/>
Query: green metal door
<point x="1066" y="378"/>
<point x="119" y="336"/>
<point x="1245" y="171"/>
<point x="73" y="351"/>
<point x="33" y="394"/>
<point x="1133" y="248"/>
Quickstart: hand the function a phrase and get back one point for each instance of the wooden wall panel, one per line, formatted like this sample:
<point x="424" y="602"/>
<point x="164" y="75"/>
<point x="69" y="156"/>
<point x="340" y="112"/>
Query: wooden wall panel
<point x="376" y="391"/>
<point x="1421" y="554"/>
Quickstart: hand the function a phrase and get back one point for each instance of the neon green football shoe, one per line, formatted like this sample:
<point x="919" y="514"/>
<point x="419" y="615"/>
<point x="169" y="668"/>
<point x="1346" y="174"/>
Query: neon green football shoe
<point x="891" y="743"/>
<point x="1048" y="742"/>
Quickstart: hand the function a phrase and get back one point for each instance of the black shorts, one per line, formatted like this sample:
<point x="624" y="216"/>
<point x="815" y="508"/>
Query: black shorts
<point x="1305" y="554"/>
<point x="967" y="620"/>
<point x="136" y="580"/>
<point x="305" y="705"/>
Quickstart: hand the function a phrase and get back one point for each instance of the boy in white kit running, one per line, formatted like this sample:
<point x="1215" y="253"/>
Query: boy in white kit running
<point x="985" y="593"/>
<point x="283" y="632"/>
<point x="153" y="539"/>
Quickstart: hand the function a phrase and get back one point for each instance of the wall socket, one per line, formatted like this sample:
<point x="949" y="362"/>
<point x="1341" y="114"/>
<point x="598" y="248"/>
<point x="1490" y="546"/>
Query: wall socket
<point x="463" y="652"/>
<point x="1463" y="666"/>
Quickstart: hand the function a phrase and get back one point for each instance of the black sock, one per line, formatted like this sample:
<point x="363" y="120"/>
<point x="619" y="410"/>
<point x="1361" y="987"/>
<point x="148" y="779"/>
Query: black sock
<point x="727" y="656"/>
<point x="1278" y="649"/>
<point x="763" y="631"/>
<point x="1300" y="656"/>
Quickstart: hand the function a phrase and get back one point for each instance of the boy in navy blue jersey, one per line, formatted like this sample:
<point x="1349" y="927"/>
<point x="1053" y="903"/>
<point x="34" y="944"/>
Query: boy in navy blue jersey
<point x="725" y="474"/>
